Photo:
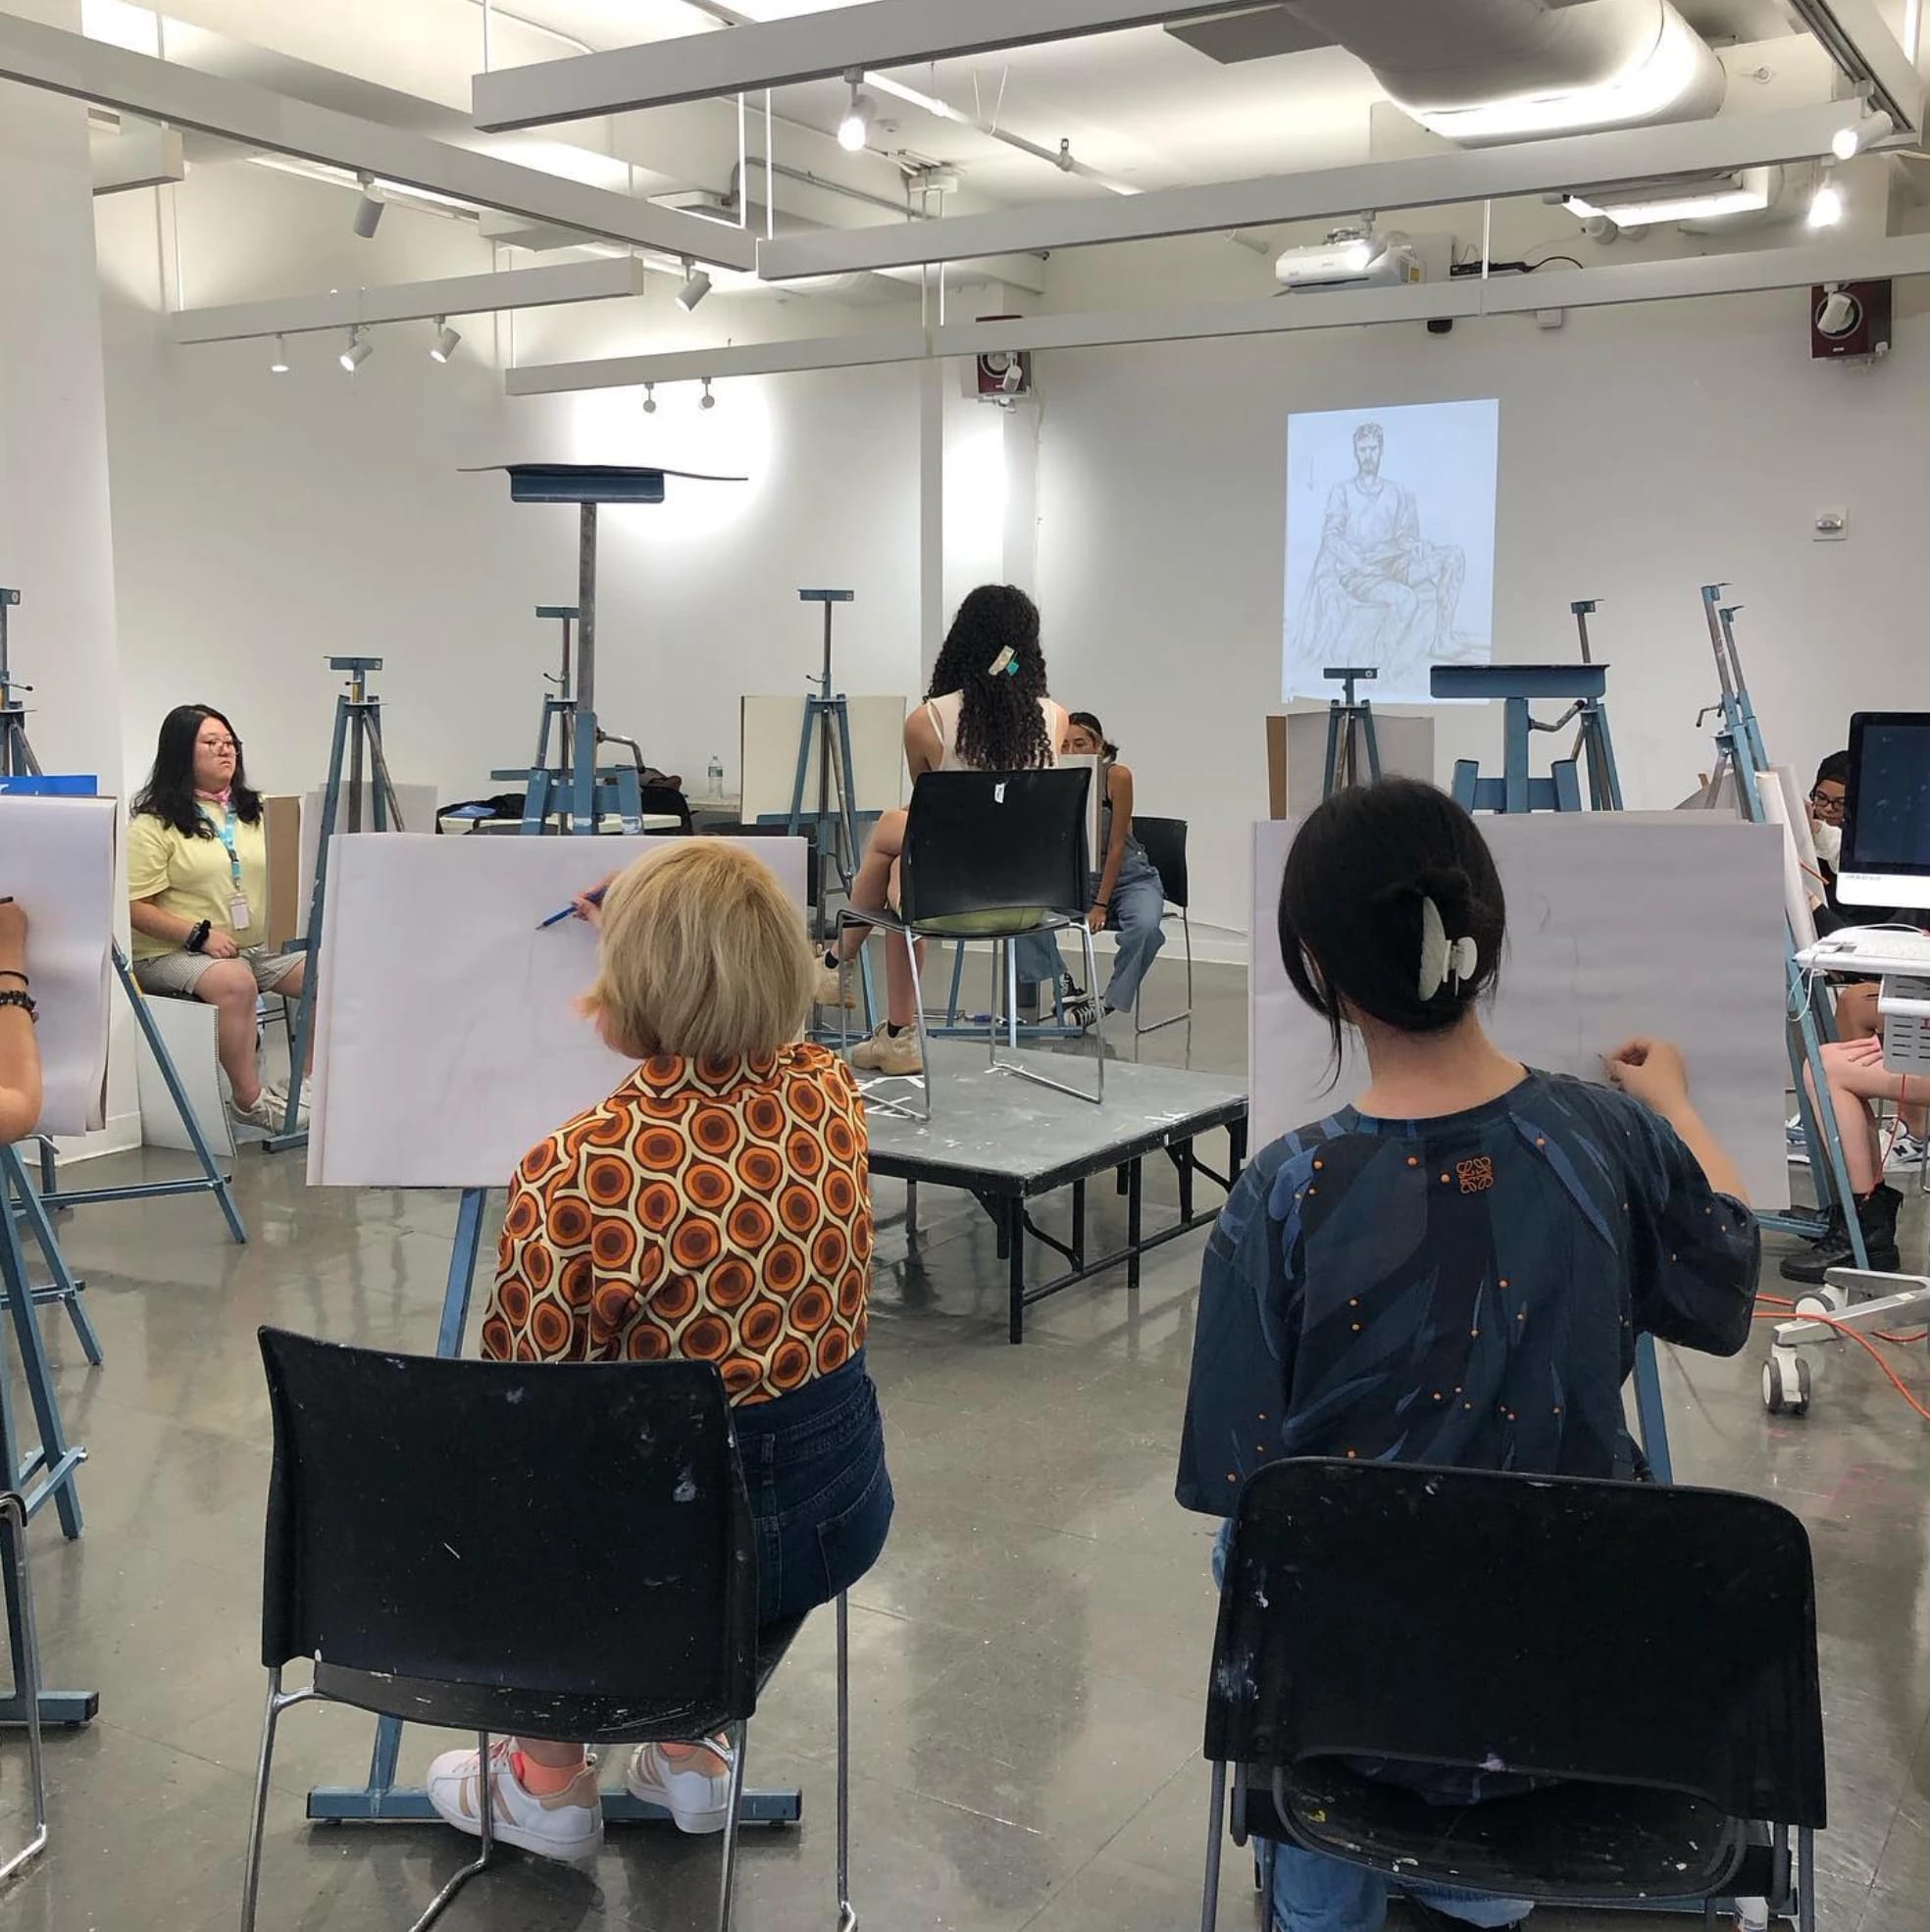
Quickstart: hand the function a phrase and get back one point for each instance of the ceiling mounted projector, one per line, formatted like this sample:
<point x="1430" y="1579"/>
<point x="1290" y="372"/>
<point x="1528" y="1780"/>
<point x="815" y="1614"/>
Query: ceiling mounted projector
<point x="1349" y="258"/>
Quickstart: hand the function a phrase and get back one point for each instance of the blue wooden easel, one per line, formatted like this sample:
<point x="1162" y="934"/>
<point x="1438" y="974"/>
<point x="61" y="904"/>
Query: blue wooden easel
<point x="378" y="1800"/>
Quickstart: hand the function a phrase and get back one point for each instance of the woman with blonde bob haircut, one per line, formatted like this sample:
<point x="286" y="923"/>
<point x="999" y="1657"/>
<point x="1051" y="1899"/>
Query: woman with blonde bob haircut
<point x="744" y="1228"/>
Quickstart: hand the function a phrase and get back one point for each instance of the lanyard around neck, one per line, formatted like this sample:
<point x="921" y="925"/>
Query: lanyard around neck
<point x="225" y="831"/>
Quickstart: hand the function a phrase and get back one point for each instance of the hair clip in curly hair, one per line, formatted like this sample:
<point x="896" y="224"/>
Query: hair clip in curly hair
<point x="1005" y="665"/>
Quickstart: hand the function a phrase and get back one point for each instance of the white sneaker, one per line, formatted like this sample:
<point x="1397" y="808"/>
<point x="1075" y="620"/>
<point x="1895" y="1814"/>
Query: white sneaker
<point x="569" y="1825"/>
<point x="262" y="1113"/>
<point x="698" y="1801"/>
<point x="1905" y="1153"/>
<point x="831" y="991"/>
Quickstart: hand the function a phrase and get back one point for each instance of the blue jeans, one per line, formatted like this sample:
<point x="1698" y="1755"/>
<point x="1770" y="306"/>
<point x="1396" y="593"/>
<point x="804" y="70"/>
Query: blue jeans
<point x="1313" y="1893"/>
<point x="820" y="1493"/>
<point x="1137" y="914"/>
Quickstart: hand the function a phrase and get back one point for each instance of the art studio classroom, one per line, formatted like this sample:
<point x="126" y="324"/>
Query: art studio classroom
<point x="964" y="966"/>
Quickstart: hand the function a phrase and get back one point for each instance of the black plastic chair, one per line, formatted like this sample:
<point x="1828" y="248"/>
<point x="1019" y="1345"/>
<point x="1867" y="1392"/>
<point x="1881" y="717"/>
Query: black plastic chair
<point x="1164" y="841"/>
<point x="992" y="856"/>
<point x="1649" y="1651"/>
<point x="26" y="1667"/>
<point x="416" y="1506"/>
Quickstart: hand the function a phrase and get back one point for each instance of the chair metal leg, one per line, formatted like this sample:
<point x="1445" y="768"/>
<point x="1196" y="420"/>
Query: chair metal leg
<point x="13" y="1511"/>
<point x="848" y="1917"/>
<point x="486" y="1806"/>
<point x="279" y="1700"/>
<point x="1096" y="1094"/>
<point x="1806" y="1880"/>
<point x="727" y="1883"/>
<point x="1172" y="1019"/>
<point x="1209" y="1909"/>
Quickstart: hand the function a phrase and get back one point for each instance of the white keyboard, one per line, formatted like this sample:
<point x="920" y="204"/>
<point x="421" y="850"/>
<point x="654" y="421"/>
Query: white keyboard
<point x="1874" y="948"/>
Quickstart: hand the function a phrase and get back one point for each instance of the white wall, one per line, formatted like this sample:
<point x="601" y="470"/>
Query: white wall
<point x="267" y="522"/>
<point x="1645" y="451"/>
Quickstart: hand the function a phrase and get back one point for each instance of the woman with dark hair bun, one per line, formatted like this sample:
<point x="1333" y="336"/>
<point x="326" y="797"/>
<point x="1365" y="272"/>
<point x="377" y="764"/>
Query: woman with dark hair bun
<point x="197" y="885"/>
<point x="987" y="711"/>
<point x="1452" y="1270"/>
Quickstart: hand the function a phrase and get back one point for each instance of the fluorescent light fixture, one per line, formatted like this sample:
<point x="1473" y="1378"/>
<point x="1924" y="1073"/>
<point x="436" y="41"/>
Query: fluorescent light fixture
<point x="1747" y="192"/>
<point x="359" y="350"/>
<point x="368" y="210"/>
<point x="899" y="92"/>
<point x="708" y="401"/>
<point x="697" y="285"/>
<point x="649" y="398"/>
<point x="1851" y="140"/>
<point x="446" y="340"/>
<point x="855" y="130"/>
<point x="280" y="365"/>
<point x="1826" y="204"/>
<point x="1651" y="83"/>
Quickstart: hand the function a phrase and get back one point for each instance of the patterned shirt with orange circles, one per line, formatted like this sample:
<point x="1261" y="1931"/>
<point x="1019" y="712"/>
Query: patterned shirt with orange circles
<point x="715" y="1211"/>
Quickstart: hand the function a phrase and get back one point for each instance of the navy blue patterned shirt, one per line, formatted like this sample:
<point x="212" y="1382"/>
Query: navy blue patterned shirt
<point x="1463" y="1292"/>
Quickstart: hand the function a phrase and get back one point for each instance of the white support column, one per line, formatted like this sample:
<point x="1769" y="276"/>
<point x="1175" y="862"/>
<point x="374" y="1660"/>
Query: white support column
<point x="56" y="539"/>
<point x="932" y="613"/>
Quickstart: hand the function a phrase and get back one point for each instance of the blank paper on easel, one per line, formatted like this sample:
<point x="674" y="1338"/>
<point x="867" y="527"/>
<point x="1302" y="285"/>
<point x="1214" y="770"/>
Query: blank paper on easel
<point x="1619" y="924"/>
<point x="57" y="858"/>
<point x="447" y="1039"/>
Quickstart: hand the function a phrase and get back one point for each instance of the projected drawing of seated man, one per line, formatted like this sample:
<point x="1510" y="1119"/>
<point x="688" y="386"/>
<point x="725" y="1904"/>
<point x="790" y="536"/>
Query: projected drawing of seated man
<point x="1380" y="593"/>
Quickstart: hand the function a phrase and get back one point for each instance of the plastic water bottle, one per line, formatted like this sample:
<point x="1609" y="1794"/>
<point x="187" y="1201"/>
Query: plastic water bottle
<point x="716" y="776"/>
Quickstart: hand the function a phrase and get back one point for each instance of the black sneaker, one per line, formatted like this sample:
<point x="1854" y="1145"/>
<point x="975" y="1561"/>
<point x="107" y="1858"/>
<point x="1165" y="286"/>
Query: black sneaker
<point x="1430" y="1918"/>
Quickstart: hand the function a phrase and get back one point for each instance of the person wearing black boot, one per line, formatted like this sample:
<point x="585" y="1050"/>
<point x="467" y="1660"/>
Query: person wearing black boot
<point x="1856" y="1075"/>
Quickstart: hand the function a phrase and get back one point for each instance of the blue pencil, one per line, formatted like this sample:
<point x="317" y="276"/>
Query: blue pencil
<point x="556" y="918"/>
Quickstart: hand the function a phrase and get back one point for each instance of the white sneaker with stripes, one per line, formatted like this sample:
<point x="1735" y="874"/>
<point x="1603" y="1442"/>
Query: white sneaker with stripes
<point x="567" y="1825"/>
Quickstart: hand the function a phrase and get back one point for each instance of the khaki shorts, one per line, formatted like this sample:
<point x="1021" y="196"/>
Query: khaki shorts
<point x="178" y="973"/>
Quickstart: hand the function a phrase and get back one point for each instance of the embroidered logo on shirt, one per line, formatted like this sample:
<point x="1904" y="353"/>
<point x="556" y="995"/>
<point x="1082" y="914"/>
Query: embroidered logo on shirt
<point x="1476" y="1176"/>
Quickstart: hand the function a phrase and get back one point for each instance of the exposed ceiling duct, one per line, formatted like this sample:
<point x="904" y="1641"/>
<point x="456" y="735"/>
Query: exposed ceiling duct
<point x="1483" y="71"/>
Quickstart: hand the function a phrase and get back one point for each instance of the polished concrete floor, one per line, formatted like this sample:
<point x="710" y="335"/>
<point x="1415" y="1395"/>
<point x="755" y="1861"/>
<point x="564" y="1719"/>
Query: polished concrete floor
<point x="1029" y="1654"/>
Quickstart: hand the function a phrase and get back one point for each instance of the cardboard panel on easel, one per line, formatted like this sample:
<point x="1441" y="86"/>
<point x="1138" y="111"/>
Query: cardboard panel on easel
<point x="282" y="826"/>
<point x="771" y="729"/>
<point x="1296" y="755"/>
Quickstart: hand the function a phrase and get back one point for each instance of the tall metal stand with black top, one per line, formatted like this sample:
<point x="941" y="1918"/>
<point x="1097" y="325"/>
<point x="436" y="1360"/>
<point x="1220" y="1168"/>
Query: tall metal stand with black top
<point x="828" y="724"/>
<point x="358" y="740"/>
<point x="1349" y="733"/>
<point x="1518" y="686"/>
<point x="380" y="1801"/>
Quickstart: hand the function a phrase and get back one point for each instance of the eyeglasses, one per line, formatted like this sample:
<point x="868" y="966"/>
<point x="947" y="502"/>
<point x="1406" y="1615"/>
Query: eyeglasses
<point x="232" y="744"/>
<point x="1829" y="805"/>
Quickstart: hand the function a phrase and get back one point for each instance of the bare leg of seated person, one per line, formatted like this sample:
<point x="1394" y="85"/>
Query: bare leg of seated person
<point x="1856" y="1075"/>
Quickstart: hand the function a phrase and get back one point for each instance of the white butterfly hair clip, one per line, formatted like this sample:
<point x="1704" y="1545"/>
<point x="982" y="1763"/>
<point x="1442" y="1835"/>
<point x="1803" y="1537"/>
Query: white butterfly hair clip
<point x="1444" y="961"/>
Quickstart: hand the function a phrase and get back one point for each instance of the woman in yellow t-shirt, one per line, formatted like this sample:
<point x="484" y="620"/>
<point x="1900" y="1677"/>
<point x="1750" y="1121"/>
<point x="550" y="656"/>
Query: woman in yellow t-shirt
<point x="197" y="883"/>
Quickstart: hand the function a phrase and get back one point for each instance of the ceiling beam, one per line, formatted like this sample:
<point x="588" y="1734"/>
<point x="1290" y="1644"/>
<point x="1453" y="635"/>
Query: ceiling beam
<point x="1465" y="299"/>
<point x="854" y="351"/>
<point x="1456" y="174"/>
<point x="142" y="155"/>
<point x="883" y="33"/>
<point x="1855" y="36"/>
<point x="412" y="301"/>
<point x="71" y="64"/>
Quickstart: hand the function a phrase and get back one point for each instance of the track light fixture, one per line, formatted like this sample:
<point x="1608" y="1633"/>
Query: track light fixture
<point x="1826" y="204"/>
<point x="359" y="350"/>
<point x="1851" y="141"/>
<point x="855" y="130"/>
<point x="279" y="363"/>
<point x="446" y="340"/>
<point x="649" y="398"/>
<point x="697" y="285"/>
<point x="708" y="401"/>
<point x="369" y="209"/>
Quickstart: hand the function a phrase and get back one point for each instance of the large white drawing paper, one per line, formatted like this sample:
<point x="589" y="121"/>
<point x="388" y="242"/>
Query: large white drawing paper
<point x="1619" y="924"/>
<point x="57" y="859"/>
<point x="416" y="802"/>
<point x="1389" y="544"/>
<point x="447" y="1040"/>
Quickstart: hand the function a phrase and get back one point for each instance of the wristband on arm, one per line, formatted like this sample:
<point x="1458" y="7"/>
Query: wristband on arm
<point x="198" y="938"/>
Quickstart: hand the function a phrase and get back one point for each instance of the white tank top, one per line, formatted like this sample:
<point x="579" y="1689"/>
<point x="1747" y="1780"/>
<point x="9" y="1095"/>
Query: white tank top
<point x="946" y="712"/>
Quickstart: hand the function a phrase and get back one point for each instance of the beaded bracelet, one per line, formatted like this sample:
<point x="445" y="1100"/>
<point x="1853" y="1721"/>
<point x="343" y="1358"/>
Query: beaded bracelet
<point x="23" y="1000"/>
